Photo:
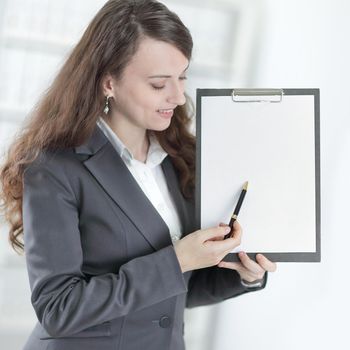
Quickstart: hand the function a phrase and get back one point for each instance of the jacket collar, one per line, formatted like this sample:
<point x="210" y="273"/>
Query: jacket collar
<point x="105" y="164"/>
<point x="155" y="155"/>
<point x="96" y="141"/>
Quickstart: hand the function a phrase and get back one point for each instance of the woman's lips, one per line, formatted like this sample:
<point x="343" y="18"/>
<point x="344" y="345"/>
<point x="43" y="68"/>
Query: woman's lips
<point x="166" y="113"/>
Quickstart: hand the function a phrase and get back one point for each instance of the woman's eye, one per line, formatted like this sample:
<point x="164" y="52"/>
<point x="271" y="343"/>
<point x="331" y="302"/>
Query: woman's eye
<point x="157" y="87"/>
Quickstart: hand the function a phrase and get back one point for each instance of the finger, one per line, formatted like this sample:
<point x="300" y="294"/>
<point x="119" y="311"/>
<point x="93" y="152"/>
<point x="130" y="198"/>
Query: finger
<point x="249" y="264"/>
<point x="222" y="225"/>
<point x="234" y="240"/>
<point x="243" y="272"/>
<point x="265" y="263"/>
<point x="217" y="238"/>
<point x="224" y="246"/>
<point x="225" y="225"/>
<point x="214" y="232"/>
<point x="237" y="233"/>
<point x="237" y="226"/>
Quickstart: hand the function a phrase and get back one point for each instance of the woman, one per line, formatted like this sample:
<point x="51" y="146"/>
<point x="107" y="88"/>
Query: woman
<point x="100" y="183"/>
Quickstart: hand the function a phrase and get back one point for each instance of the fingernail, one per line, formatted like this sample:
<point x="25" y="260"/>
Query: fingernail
<point x="227" y="230"/>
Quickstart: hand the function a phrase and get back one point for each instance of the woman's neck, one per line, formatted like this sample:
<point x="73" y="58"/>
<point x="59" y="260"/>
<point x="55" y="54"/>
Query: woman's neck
<point x="135" y="139"/>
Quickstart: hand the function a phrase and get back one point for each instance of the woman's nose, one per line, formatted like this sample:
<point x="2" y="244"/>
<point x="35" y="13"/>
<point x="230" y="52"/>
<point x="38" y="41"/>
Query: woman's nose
<point x="177" y="96"/>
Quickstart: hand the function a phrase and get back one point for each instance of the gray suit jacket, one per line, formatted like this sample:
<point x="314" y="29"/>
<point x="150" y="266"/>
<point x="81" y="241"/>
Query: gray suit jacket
<point x="102" y="268"/>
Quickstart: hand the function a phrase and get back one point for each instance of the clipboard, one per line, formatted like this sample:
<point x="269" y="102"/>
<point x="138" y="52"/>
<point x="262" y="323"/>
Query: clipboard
<point x="271" y="138"/>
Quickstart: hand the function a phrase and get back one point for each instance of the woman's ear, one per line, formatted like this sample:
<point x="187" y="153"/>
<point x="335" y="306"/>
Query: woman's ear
<point x="108" y="85"/>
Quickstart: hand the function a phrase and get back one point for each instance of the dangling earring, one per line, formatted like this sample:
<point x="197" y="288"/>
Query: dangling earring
<point x="106" y="109"/>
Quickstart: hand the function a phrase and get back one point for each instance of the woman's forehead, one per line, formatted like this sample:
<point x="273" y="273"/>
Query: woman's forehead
<point x="154" y="57"/>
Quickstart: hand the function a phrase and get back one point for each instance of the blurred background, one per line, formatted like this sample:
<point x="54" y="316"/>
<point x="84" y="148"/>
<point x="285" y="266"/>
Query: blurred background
<point x="238" y="43"/>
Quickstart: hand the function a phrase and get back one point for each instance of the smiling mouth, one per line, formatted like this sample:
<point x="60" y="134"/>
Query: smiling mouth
<point x="166" y="113"/>
<point x="165" y="110"/>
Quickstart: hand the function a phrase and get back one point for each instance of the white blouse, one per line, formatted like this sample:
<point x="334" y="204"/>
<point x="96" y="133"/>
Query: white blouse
<point x="150" y="178"/>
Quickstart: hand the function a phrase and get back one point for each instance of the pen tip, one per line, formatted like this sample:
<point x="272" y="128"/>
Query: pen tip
<point x="245" y="187"/>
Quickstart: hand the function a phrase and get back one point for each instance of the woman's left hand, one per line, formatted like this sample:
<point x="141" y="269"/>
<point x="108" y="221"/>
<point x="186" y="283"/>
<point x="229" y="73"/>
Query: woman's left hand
<point x="248" y="269"/>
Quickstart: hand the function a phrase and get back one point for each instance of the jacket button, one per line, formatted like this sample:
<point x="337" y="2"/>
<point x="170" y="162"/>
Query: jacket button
<point x="165" y="322"/>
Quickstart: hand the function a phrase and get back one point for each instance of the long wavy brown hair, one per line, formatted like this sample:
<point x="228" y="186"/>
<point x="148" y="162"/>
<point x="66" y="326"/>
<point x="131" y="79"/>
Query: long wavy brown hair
<point x="67" y="113"/>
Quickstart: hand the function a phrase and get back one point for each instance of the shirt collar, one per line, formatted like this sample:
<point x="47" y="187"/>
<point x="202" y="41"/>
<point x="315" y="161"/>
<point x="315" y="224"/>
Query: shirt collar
<point x="155" y="154"/>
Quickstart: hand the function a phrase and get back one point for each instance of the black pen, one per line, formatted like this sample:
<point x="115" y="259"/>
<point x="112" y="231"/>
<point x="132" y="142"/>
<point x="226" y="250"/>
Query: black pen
<point x="237" y="209"/>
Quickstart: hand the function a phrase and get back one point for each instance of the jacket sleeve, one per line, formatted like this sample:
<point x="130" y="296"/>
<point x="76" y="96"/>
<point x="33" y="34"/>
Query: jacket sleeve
<point x="214" y="284"/>
<point x="65" y="301"/>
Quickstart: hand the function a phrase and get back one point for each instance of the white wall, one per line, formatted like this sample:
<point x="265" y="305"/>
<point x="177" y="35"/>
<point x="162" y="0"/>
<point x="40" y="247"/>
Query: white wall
<point x="305" y="306"/>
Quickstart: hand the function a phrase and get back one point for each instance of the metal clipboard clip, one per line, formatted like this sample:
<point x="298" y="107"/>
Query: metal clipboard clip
<point x="257" y="95"/>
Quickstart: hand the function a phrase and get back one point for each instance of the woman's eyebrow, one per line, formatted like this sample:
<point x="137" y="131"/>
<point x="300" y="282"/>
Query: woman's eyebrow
<point x="164" y="75"/>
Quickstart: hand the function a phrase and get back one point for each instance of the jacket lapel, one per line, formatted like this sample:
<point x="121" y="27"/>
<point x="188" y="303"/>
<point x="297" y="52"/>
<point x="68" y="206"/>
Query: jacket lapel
<point x="107" y="167"/>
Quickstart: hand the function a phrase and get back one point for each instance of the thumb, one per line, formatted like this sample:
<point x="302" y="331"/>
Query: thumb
<point x="213" y="232"/>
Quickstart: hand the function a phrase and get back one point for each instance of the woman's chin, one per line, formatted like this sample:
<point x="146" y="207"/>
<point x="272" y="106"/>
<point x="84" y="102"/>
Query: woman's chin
<point x="161" y="126"/>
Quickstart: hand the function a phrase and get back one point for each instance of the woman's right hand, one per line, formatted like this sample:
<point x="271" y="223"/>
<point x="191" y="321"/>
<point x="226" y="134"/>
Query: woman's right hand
<point x="204" y="248"/>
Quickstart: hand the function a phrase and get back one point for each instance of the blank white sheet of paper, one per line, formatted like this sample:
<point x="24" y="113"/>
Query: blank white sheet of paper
<point x="271" y="145"/>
